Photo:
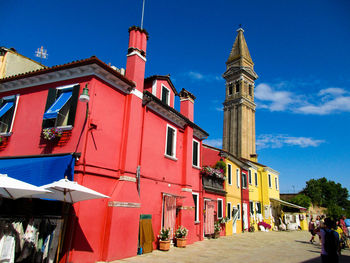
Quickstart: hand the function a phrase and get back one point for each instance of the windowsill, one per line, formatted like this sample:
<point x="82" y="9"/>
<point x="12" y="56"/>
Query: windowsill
<point x="196" y="167"/>
<point x="6" y="134"/>
<point x="197" y="222"/>
<point x="170" y="157"/>
<point x="63" y="128"/>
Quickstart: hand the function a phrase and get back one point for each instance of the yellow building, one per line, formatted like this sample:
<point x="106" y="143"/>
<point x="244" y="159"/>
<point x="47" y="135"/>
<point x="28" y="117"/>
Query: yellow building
<point x="233" y="188"/>
<point x="263" y="186"/>
<point x="13" y="63"/>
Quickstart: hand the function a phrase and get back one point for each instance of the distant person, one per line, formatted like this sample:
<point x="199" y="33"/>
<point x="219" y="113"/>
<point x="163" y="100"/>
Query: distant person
<point x="330" y="247"/>
<point x="312" y="229"/>
<point x="343" y="225"/>
<point x="347" y="224"/>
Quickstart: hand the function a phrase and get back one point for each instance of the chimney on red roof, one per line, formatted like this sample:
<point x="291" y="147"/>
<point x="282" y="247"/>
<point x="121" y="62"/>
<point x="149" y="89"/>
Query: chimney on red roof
<point x="187" y="104"/>
<point x="136" y="57"/>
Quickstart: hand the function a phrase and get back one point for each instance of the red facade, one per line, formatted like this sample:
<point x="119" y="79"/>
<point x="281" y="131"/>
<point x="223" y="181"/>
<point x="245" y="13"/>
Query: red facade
<point x="128" y="142"/>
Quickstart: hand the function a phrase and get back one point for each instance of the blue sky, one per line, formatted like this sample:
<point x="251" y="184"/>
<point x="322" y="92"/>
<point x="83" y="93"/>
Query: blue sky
<point x="300" y="50"/>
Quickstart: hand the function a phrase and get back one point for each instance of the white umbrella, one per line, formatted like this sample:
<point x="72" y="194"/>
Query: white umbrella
<point x="70" y="192"/>
<point x="13" y="188"/>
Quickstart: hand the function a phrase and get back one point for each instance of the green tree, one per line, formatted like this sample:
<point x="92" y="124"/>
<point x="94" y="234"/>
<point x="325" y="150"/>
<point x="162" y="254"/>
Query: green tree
<point x="328" y="194"/>
<point x="301" y="200"/>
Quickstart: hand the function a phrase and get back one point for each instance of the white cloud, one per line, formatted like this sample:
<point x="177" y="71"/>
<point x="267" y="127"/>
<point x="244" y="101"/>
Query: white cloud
<point x="197" y="76"/>
<point x="332" y="91"/>
<point x="214" y="142"/>
<point x="272" y="99"/>
<point x="326" y="101"/>
<point x="281" y="140"/>
<point x="333" y="100"/>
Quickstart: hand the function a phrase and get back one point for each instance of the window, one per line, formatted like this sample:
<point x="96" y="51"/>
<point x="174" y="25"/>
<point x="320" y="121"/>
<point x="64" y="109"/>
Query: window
<point x="270" y="180"/>
<point x="8" y="106"/>
<point x="195" y="153"/>
<point x="170" y="142"/>
<point x="229" y="174"/>
<point x="229" y="211"/>
<point x="230" y="89"/>
<point x="250" y="90"/>
<point x="276" y="183"/>
<point x="266" y="212"/>
<point x="196" y="206"/>
<point x="244" y="180"/>
<point x="165" y="95"/>
<point x="237" y="87"/>
<point x="239" y="211"/>
<point x="237" y="178"/>
<point x="61" y="105"/>
<point x="256" y="179"/>
<point x="220" y="211"/>
<point x="250" y="176"/>
<point x="258" y="208"/>
<point x="251" y="208"/>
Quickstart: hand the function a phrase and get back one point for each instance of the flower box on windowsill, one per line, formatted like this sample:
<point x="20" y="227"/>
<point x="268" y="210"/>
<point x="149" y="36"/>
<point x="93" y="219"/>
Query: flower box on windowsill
<point x="3" y="141"/>
<point x="58" y="136"/>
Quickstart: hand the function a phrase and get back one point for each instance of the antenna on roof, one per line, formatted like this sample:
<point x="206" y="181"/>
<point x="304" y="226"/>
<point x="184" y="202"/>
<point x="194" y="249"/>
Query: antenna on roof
<point x="143" y="11"/>
<point x="41" y="53"/>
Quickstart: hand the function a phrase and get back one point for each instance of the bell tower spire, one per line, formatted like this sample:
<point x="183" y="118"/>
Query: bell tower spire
<point x="239" y="106"/>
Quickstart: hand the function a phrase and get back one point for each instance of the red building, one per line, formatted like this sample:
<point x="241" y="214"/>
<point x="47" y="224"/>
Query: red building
<point x="214" y="193"/>
<point x="127" y="142"/>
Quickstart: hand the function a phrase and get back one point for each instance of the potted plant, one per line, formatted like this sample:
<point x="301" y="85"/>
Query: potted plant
<point x="181" y="234"/>
<point x="217" y="229"/>
<point x="51" y="134"/>
<point x="164" y="241"/>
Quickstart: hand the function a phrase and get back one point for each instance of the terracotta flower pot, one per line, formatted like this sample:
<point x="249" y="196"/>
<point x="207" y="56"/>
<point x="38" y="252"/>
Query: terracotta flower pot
<point x="181" y="242"/>
<point x="164" y="245"/>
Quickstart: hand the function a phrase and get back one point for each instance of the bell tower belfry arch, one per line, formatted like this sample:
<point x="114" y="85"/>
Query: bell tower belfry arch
<point x="239" y="106"/>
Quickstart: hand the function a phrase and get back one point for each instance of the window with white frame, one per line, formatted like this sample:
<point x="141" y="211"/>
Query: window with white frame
<point x="258" y="207"/>
<point x="165" y="95"/>
<point x="170" y="149"/>
<point x="8" y="107"/>
<point x="229" y="211"/>
<point x="266" y="211"/>
<point x="237" y="178"/>
<point x="251" y="208"/>
<point x="239" y="211"/>
<point x="256" y="179"/>
<point x="220" y="209"/>
<point x="250" y="176"/>
<point x="269" y="177"/>
<point x="196" y="206"/>
<point x="229" y="174"/>
<point x="276" y="183"/>
<point x="61" y="105"/>
<point x="195" y="153"/>
<point x="244" y="180"/>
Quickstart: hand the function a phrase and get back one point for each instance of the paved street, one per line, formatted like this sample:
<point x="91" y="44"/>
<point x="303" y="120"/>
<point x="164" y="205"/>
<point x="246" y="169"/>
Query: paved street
<point x="258" y="247"/>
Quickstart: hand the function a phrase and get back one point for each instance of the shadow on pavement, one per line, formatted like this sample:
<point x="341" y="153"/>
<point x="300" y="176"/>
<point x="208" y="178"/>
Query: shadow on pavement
<point x="342" y="259"/>
<point x="302" y="241"/>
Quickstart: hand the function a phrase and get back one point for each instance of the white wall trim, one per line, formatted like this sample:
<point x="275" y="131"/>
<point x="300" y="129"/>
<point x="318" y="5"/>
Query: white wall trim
<point x="127" y="178"/>
<point x="137" y="93"/>
<point x="124" y="204"/>
<point x="137" y="54"/>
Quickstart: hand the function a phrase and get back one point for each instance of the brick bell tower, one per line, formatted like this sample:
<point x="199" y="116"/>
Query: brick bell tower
<point x="239" y="106"/>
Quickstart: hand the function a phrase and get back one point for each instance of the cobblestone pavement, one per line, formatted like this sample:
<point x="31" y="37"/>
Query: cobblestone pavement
<point x="258" y="247"/>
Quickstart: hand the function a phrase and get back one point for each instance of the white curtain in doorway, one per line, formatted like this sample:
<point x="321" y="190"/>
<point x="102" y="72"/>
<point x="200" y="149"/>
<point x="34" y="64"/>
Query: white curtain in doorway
<point x="169" y="213"/>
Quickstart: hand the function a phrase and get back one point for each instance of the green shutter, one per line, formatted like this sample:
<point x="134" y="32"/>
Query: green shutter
<point x="73" y="106"/>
